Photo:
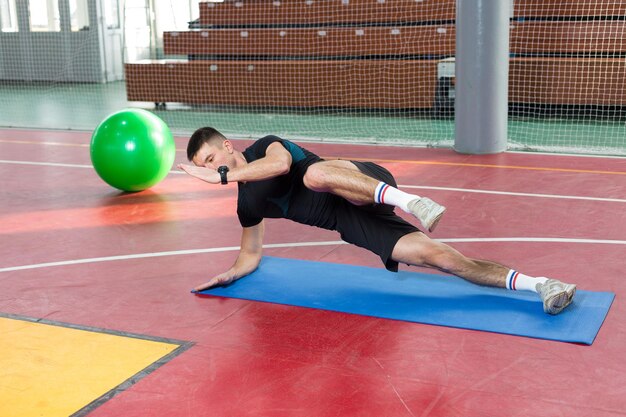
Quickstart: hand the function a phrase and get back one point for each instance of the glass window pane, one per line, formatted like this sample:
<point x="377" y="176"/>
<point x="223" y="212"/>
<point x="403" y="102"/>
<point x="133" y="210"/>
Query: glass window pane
<point x="79" y="15"/>
<point x="112" y="14"/>
<point x="195" y="9"/>
<point x="171" y="16"/>
<point x="44" y="16"/>
<point x="8" y="19"/>
<point x="137" y="33"/>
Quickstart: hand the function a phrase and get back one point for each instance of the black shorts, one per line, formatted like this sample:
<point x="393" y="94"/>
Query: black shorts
<point x="374" y="227"/>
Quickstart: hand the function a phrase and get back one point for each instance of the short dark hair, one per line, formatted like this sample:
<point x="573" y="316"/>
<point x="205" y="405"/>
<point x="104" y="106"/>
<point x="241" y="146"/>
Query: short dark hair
<point x="200" y="137"/>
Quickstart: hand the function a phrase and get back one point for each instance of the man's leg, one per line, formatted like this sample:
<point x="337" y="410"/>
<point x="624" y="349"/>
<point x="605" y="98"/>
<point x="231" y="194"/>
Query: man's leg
<point x="419" y="250"/>
<point x="341" y="178"/>
<point x="344" y="179"/>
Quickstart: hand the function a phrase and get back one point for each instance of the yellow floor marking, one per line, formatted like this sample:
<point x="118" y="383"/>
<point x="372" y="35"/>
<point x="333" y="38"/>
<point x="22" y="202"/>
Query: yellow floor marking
<point x="55" y="371"/>
<point x="399" y="161"/>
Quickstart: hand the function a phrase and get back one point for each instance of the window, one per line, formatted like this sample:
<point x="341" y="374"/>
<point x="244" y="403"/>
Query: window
<point x="137" y="30"/>
<point x="44" y="16"/>
<point x="194" y="6"/>
<point x="8" y="19"/>
<point x="79" y="15"/>
<point x="112" y="14"/>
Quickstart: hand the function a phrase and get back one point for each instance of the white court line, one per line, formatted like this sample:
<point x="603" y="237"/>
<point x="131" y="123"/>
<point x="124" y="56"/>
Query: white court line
<point x="299" y="244"/>
<point x="48" y="164"/>
<point x="53" y="164"/>
<point x="464" y="190"/>
<point x="159" y="254"/>
<point x="599" y="156"/>
<point x="326" y="141"/>
<point x="469" y="190"/>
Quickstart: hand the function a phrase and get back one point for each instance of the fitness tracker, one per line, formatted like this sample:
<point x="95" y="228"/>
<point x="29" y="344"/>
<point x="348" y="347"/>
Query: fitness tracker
<point x="222" y="170"/>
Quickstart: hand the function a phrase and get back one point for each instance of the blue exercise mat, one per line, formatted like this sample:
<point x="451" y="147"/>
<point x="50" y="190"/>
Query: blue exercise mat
<point x="420" y="298"/>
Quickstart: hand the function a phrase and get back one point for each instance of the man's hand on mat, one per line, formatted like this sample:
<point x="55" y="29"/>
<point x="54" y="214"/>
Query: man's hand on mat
<point x="221" y="279"/>
<point x="205" y="174"/>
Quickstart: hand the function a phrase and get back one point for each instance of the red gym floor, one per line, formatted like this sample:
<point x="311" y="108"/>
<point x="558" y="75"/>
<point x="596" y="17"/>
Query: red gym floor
<point x="65" y="256"/>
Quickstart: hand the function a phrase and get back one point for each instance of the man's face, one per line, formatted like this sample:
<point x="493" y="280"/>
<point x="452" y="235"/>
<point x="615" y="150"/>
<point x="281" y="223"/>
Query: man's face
<point x="212" y="156"/>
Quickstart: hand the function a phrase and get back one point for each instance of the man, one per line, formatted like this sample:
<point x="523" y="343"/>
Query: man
<point x="279" y="179"/>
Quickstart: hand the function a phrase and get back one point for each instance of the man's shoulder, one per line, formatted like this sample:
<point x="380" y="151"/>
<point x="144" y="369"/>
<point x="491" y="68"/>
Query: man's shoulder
<point x="259" y="146"/>
<point x="268" y="139"/>
<point x="264" y="142"/>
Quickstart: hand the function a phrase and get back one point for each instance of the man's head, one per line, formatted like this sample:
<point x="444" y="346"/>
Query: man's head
<point x="209" y="148"/>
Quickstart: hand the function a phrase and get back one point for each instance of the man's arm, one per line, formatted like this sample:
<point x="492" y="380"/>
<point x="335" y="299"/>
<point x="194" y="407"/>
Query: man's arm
<point x="247" y="261"/>
<point x="276" y="162"/>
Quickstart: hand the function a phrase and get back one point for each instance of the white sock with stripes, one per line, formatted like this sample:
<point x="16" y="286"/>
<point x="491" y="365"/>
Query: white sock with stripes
<point x="386" y="194"/>
<point x="520" y="282"/>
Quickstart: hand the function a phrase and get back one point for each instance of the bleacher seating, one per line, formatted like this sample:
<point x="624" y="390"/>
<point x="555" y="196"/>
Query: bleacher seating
<point x="325" y="12"/>
<point x="314" y="42"/>
<point x="294" y="83"/>
<point x="531" y="80"/>
<point x="338" y="53"/>
<point x="568" y="8"/>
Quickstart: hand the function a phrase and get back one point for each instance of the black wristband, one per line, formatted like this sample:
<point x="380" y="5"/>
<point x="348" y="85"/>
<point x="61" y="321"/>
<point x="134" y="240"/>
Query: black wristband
<point x="222" y="170"/>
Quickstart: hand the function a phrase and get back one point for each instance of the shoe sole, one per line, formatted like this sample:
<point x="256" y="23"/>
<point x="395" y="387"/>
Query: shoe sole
<point x="433" y="224"/>
<point x="560" y="301"/>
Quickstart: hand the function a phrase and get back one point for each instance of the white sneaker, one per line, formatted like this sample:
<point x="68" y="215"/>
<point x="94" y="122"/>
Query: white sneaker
<point x="427" y="212"/>
<point x="556" y="295"/>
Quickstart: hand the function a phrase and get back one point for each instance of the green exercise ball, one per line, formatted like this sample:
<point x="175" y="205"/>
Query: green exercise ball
<point x="132" y="149"/>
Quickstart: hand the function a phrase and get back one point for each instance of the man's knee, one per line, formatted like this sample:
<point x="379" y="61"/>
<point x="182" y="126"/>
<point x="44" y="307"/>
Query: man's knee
<point x="419" y="250"/>
<point x="315" y="177"/>
<point x="446" y="258"/>
<point x="432" y="255"/>
<point x="441" y="258"/>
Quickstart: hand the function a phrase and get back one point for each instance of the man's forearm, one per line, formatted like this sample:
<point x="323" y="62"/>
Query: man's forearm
<point x="259" y="170"/>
